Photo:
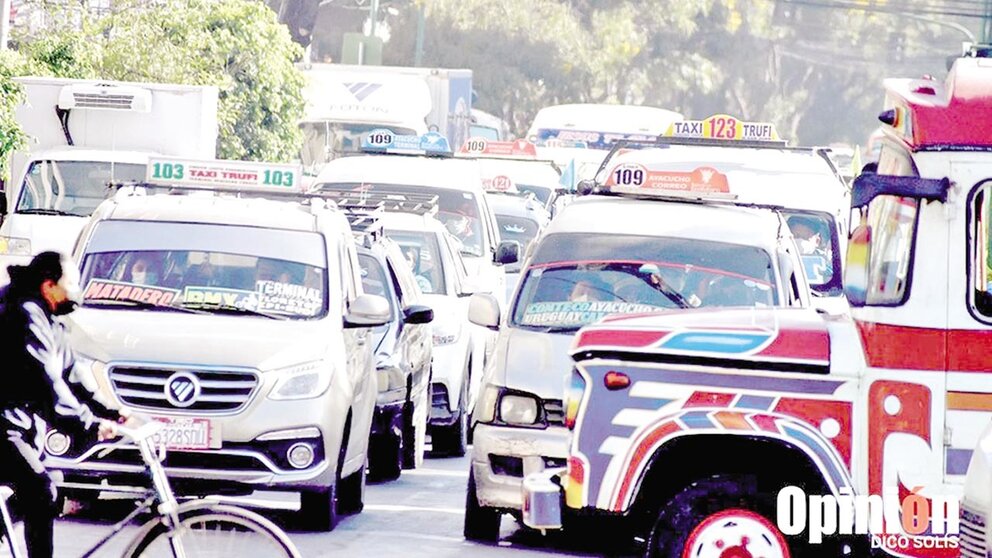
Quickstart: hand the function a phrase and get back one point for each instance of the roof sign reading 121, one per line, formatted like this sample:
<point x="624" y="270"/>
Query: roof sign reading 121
<point x="224" y="175"/>
<point x="723" y="127"/>
<point x="703" y="182"/>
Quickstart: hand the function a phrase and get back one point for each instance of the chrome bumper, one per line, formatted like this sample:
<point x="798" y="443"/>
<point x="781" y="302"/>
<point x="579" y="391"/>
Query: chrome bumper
<point x="542" y="496"/>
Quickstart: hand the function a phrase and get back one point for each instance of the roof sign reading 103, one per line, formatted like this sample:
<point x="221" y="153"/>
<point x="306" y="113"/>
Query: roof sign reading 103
<point x="224" y="175"/>
<point x="723" y="127"/>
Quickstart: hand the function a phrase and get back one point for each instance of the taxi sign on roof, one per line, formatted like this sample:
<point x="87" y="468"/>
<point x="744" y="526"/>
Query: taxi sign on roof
<point x="501" y="183"/>
<point x="723" y="127"/>
<point x="705" y="182"/>
<point x="385" y="141"/>
<point x="224" y="175"/>
<point x="520" y="148"/>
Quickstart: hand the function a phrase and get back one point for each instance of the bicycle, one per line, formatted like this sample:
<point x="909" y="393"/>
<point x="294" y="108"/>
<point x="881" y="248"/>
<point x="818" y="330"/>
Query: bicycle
<point x="186" y="530"/>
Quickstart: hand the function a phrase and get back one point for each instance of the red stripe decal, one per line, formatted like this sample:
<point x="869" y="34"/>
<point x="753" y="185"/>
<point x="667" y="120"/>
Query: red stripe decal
<point x="619" y="338"/>
<point x="640" y="453"/>
<point x="814" y="412"/>
<point x="709" y="399"/>
<point x="805" y="344"/>
<point x="917" y="348"/>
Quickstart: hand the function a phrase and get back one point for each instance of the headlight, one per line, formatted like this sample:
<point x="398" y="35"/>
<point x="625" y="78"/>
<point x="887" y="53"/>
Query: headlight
<point x="485" y="407"/>
<point x="446" y="334"/>
<point x="519" y="409"/>
<point x="15" y="246"/>
<point x="303" y="381"/>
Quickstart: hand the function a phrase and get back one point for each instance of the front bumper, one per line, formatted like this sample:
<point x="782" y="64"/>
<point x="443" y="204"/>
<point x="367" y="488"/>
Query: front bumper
<point x="543" y="499"/>
<point x="388" y="419"/>
<point x="503" y="456"/>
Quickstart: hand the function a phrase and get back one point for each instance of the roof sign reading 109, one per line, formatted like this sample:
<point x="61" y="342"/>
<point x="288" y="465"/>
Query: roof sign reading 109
<point x="631" y="178"/>
<point x="224" y="175"/>
<point x="723" y="127"/>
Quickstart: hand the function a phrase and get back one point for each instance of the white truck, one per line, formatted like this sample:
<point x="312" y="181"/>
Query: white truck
<point x="345" y="102"/>
<point x="84" y="136"/>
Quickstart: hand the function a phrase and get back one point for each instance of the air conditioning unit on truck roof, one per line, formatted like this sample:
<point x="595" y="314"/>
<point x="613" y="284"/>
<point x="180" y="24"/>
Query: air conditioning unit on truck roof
<point x="105" y="96"/>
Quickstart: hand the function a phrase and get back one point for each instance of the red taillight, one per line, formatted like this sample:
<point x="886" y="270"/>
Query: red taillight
<point x="616" y="380"/>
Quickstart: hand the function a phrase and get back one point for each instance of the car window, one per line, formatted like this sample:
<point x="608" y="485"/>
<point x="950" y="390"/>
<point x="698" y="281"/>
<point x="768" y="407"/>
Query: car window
<point x="374" y="279"/>
<point x="422" y="253"/>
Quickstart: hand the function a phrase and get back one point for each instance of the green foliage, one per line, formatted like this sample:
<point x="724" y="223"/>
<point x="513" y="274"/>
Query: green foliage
<point x="236" y="45"/>
<point x="11" y="95"/>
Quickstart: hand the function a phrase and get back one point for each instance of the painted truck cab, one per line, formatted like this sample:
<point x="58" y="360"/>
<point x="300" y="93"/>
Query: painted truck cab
<point x="711" y="447"/>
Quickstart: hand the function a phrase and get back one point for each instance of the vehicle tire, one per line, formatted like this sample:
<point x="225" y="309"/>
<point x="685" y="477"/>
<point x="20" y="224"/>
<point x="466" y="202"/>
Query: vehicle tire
<point x="481" y="523"/>
<point x="319" y="509"/>
<point x="415" y="430"/>
<point x="215" y="530"/>
<point x="351" y="492"/>
<point x="452" y="440"/>
<point x="385" y="459"/>
<point x="724" y="517"/>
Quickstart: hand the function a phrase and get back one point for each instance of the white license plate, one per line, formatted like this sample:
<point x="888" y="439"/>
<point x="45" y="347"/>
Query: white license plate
<point x="188" y="433"/>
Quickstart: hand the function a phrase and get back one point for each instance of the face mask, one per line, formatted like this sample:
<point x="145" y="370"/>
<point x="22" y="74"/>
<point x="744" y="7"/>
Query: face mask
<point x="581" y="298"/>
<point x="69" y="283"/>
<point x="144" y="277"/>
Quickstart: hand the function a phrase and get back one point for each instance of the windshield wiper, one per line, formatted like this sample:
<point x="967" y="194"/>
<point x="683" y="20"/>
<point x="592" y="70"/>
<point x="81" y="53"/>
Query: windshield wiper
<point x="46" y="211"/>
<point x="139" y="305"/>
<point x="229" y="309"/>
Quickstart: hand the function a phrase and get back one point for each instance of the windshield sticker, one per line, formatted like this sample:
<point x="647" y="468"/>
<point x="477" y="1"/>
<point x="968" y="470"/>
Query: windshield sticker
<point x="222" y="297"/>
<point x="567" y="313"/>
<point x="286" y="297"/>
<point x="101" y="289"/>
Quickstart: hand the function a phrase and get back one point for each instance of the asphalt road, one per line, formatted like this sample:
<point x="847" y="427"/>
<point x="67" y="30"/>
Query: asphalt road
<point x="418" y="515"/>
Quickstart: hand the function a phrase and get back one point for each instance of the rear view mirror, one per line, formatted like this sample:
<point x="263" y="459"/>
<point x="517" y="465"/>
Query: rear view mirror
<point x="483" y="310"/>
<point x="418" y="314"/>
<point x="368" y="311"/>
<point x="856" y="268"/>
<point x="507" y="252"/>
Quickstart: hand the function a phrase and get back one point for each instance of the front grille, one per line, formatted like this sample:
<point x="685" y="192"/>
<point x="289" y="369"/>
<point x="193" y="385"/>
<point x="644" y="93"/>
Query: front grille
<point x="179" y="459"/>
<point x="554" y="412"/>
<point x="972" y="537"/>
<point x="219" y="390"/>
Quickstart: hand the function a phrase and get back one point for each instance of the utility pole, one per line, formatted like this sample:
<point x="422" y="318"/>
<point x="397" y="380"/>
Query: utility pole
<point x="374" y="17"/>
<point x="418" y="54"/>
<point x="4" y="23"/>
<point x="987" y="23"/>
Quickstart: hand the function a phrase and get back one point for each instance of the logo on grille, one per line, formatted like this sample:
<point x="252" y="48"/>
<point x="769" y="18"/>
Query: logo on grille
<point x="182" y="389"/>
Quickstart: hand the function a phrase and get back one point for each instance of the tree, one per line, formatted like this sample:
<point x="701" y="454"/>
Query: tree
<point x="11" y="95"/>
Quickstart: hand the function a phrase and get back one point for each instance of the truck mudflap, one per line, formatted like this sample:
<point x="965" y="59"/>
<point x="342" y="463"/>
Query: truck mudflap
<point x="543" y="499"/>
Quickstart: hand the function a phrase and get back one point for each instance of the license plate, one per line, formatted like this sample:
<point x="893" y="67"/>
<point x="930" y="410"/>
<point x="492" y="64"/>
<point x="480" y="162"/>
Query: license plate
<point x="188" y="433"/>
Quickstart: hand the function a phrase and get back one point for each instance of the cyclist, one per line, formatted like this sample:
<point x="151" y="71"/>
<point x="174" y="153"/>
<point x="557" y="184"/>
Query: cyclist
<point x="41" y="383"/>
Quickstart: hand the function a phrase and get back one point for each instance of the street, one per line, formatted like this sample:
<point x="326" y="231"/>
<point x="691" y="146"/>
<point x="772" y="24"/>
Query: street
<point x="418" y="515"/>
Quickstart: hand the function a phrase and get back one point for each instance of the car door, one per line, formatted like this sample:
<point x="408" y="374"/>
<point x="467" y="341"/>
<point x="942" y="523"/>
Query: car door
<point x="415" y="339"/>
<point x="359" y="350"/>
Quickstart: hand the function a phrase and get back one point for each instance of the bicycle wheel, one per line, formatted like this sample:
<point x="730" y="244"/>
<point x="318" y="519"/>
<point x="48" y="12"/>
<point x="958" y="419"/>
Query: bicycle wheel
<point x="214" y="530"/>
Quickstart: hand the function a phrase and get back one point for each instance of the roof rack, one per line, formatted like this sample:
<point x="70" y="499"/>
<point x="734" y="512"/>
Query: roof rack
<point x="366" y="223"/>
<point x="384" y="199"/>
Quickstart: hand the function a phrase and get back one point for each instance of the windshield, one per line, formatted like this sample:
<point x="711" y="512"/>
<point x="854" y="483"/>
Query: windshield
<point x="540" y="192"/>
<point x="521" y="229"/>
<point x="576" y="279"/>
<point x="217" y="269"/>
<point x="816" y="237"/>
<point x="73" y="187"/>
<point x="322" y="141"/>
<point x="458" y="210"/>
<point x="423" y="253"/>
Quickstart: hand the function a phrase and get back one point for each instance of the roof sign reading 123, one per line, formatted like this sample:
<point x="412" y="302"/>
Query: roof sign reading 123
<point x="385" y="141"/>
<point x="631" y="178"/>
<point x="224" y="175"/>
<point x="723" y="127"/>
<point x="521" y="148"/>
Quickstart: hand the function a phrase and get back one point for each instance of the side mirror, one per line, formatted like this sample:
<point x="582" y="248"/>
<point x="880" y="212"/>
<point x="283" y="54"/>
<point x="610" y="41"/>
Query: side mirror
<point x="418" y="314"/>
<point x="585" y="187"/>
<point x="483" y="310"/>
<point x="368" y="311"/>
<point x="856" y="266"/>
<point x="507" y="252"/>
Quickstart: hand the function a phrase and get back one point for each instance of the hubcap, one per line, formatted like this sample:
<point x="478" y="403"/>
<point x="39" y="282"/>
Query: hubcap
<point x="735" y="534"/>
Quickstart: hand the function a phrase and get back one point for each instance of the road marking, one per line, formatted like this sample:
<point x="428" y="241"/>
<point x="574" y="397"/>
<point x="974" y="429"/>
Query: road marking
<point x="439" y="538"/>
<point x="399" y="508"/>
<point x="435" y="473"/>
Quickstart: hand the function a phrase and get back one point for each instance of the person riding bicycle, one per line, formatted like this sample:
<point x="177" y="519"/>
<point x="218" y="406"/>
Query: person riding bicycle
<point x="42" y="384"/>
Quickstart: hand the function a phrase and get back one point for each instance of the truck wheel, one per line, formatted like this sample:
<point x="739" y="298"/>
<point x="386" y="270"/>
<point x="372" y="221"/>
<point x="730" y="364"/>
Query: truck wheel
<point x="319" y="509"/>
<point x="351" y="492"/>
<point x="721" y="517"/>
<point x="481" y="523"/>
<point x="452" y="440"/>
<point x="385" y="460"/>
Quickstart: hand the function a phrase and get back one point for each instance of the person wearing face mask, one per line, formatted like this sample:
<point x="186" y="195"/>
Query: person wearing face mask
<point x="43" y="384"/>
<point x="142" y="272"/>
<point x="591" y="289"/>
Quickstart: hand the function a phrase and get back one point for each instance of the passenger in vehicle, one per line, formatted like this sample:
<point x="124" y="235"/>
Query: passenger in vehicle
<point x="412" y="255"/>
<point x="145" y="270"/>
<point x="591" y="289"/>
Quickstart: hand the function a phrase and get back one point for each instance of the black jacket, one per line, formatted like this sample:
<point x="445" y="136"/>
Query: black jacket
<point x="39" y="374"/>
